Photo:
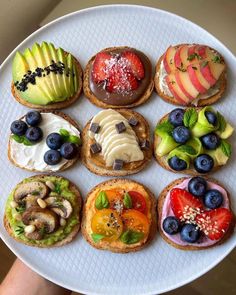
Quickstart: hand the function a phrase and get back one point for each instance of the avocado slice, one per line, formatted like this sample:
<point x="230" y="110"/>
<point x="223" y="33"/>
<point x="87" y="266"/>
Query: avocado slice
<point x="52" y="79"/>
<point x="19" y="67"/>
<point x="41" y="63"/>
<point x="62" y="58"/>
<point x="75" y="73"/>
<point x="58" y="77"/>
<point x="203" y="127"/>
<point x="70" y="69"/>
<point x="166" y="145"/>
<point x="36" y="94"/>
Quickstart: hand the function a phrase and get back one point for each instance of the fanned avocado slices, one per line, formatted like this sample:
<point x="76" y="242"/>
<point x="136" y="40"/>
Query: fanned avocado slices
<point x="44" y="75"/>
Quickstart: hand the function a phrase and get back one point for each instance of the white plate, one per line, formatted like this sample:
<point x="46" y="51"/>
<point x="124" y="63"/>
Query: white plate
<point x="78" y="266"/>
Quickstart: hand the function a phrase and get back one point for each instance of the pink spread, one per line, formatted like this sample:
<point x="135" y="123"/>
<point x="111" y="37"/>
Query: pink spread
<point x="203" y="241"/>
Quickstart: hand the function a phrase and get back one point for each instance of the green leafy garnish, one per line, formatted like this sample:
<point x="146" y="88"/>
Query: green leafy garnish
<point x="96" y="237"/>
<point x="221" y="121"/>
<point x="204" y="63"/>
<point x="192" y="56"/>
<point x="21" y="208"/>
<point x="226" y="148"/>
<point x="187" y="149"/>
<point x="164" y="127"/>
<point x="21" y="139"/>
<point x="131" y="237"/>
<point x="217" y="59"/>
<point x="57" y="188"/>
<point x="43" y="230"/>
<point x="74" y="139"/>
<point x="101" y="201"/>
<point x="127" y="201"/>
<point x="190" y="118"/>
<point x="19" y="230"/>
<point x="64" y="132"/>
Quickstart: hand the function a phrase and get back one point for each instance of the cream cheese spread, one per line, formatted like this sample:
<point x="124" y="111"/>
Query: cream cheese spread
<point x="123" y="146"/>
<point x="31" y="157"/>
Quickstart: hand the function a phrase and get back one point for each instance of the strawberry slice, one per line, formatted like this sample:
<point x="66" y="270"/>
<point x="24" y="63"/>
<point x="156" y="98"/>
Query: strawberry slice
<point x="215" y="223"/>
<point x="135" y="64"/>
<point x="100" y="67"/>
<point x="184" y="205"/>
<point x="121" y="80"/>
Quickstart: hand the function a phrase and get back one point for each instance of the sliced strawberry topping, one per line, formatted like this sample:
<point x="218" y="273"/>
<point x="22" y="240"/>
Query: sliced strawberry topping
<point x="100" y="65"/>
<point x="184" y="205"/>
<point x="121" y="80"/>
<point x="134" y="63"/>
<point x="214" y="223"/>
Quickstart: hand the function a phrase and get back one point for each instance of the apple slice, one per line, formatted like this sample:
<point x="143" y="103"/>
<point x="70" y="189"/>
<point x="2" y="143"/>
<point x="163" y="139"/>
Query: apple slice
<point x="211" y="71"/>
<point x="168" y="59"/>
<point x="186" y="85"/>
<point x="178" y="59"/>
<point x="175" y="89"/>
<point x="198" y="80"/>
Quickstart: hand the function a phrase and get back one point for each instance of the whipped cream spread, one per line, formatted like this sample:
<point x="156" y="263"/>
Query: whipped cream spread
<point x="123" y="146"/>
<point x="165" y="89"/>
<point x="31" y="157"/>
<point x="203" y="241"/>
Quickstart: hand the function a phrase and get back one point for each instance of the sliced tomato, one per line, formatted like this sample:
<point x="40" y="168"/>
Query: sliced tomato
<point x="138" y="202"/>
<point x="115" y="200"/>
<point x="108" y="223"/>
<point x="136" y="221"/>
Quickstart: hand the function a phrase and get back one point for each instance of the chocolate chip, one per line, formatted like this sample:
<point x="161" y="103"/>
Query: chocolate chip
<point x="118" y="164"/>
<point x="94" y="127"/>
<point x="120" y="127"/>
<point x="95" y="148"/>
<point x="144" y="144"/>
<point x="133" y="121"/>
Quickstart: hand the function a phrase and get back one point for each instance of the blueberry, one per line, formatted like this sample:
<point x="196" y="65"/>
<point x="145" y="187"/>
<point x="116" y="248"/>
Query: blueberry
<point x="68" y="150"/>
<point x="197" y="186"/>
<point x="52" y="157"/>
<point x="210" y="141"/>
<point x="171" y="225"/>
<point x="203" y="163"/>
<point x="177" y="164"/>
<point x="33" y="118"/>
<point x="176" y="117"/>
<point x="189" y="233"/>
<point x="54" y="141"/>
<point x="18" y="127"/>
<point x="213" y="199"/>
<point x="34" y="134"/>
<point x="181" y="134"/>
<point x="211" y="117"/>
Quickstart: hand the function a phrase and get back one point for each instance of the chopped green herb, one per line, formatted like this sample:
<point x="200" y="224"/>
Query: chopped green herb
<point x="193" y="56"/>
<point x="21" y="208"/>
<point x="217" y="59"/>
<point x="19" y="230"/>
<point x="204" y="63"/>
<point x="57" y="188"/>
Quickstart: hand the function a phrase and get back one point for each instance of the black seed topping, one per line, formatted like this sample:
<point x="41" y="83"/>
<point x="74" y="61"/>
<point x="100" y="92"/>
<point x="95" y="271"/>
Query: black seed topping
<point x="118" y="164"/>
<point x="95" y="148"/>
<point x="120" y="127"/>
<point x="94" y="127"/>
<point x="29" y="77"/>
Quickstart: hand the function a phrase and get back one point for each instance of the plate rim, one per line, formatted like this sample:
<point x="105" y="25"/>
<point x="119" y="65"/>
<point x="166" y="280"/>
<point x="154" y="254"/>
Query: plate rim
<point x="44" y="28"/>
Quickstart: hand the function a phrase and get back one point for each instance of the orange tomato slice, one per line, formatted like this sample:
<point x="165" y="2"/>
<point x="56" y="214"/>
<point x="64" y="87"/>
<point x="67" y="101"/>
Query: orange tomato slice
<point x="115" y="198"/>
<point x="108" y="223"/>
<point x="136" y="221"/>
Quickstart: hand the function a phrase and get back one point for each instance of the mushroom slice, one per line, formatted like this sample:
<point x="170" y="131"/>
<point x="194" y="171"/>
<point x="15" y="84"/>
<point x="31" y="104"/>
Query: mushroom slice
<point x="35" y="188"/>
<point x="35" y="235"/>
<point x="30" y="201"/>
<point x="43" y="219"/>
<point x="60" y="206"/>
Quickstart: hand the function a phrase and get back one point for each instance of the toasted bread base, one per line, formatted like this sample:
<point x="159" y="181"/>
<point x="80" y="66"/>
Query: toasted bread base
<point x="70" y="236"/>
<point x="162" y="161"/>
<point x="201" y="102"/>
<point x="160" y="203"/>
<point x="118" y="182"/>
<point x="69" y="163"/>
<point x="53" y="106"/>
<point x="87" y="160"/>
<point x="94" y="100"/>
